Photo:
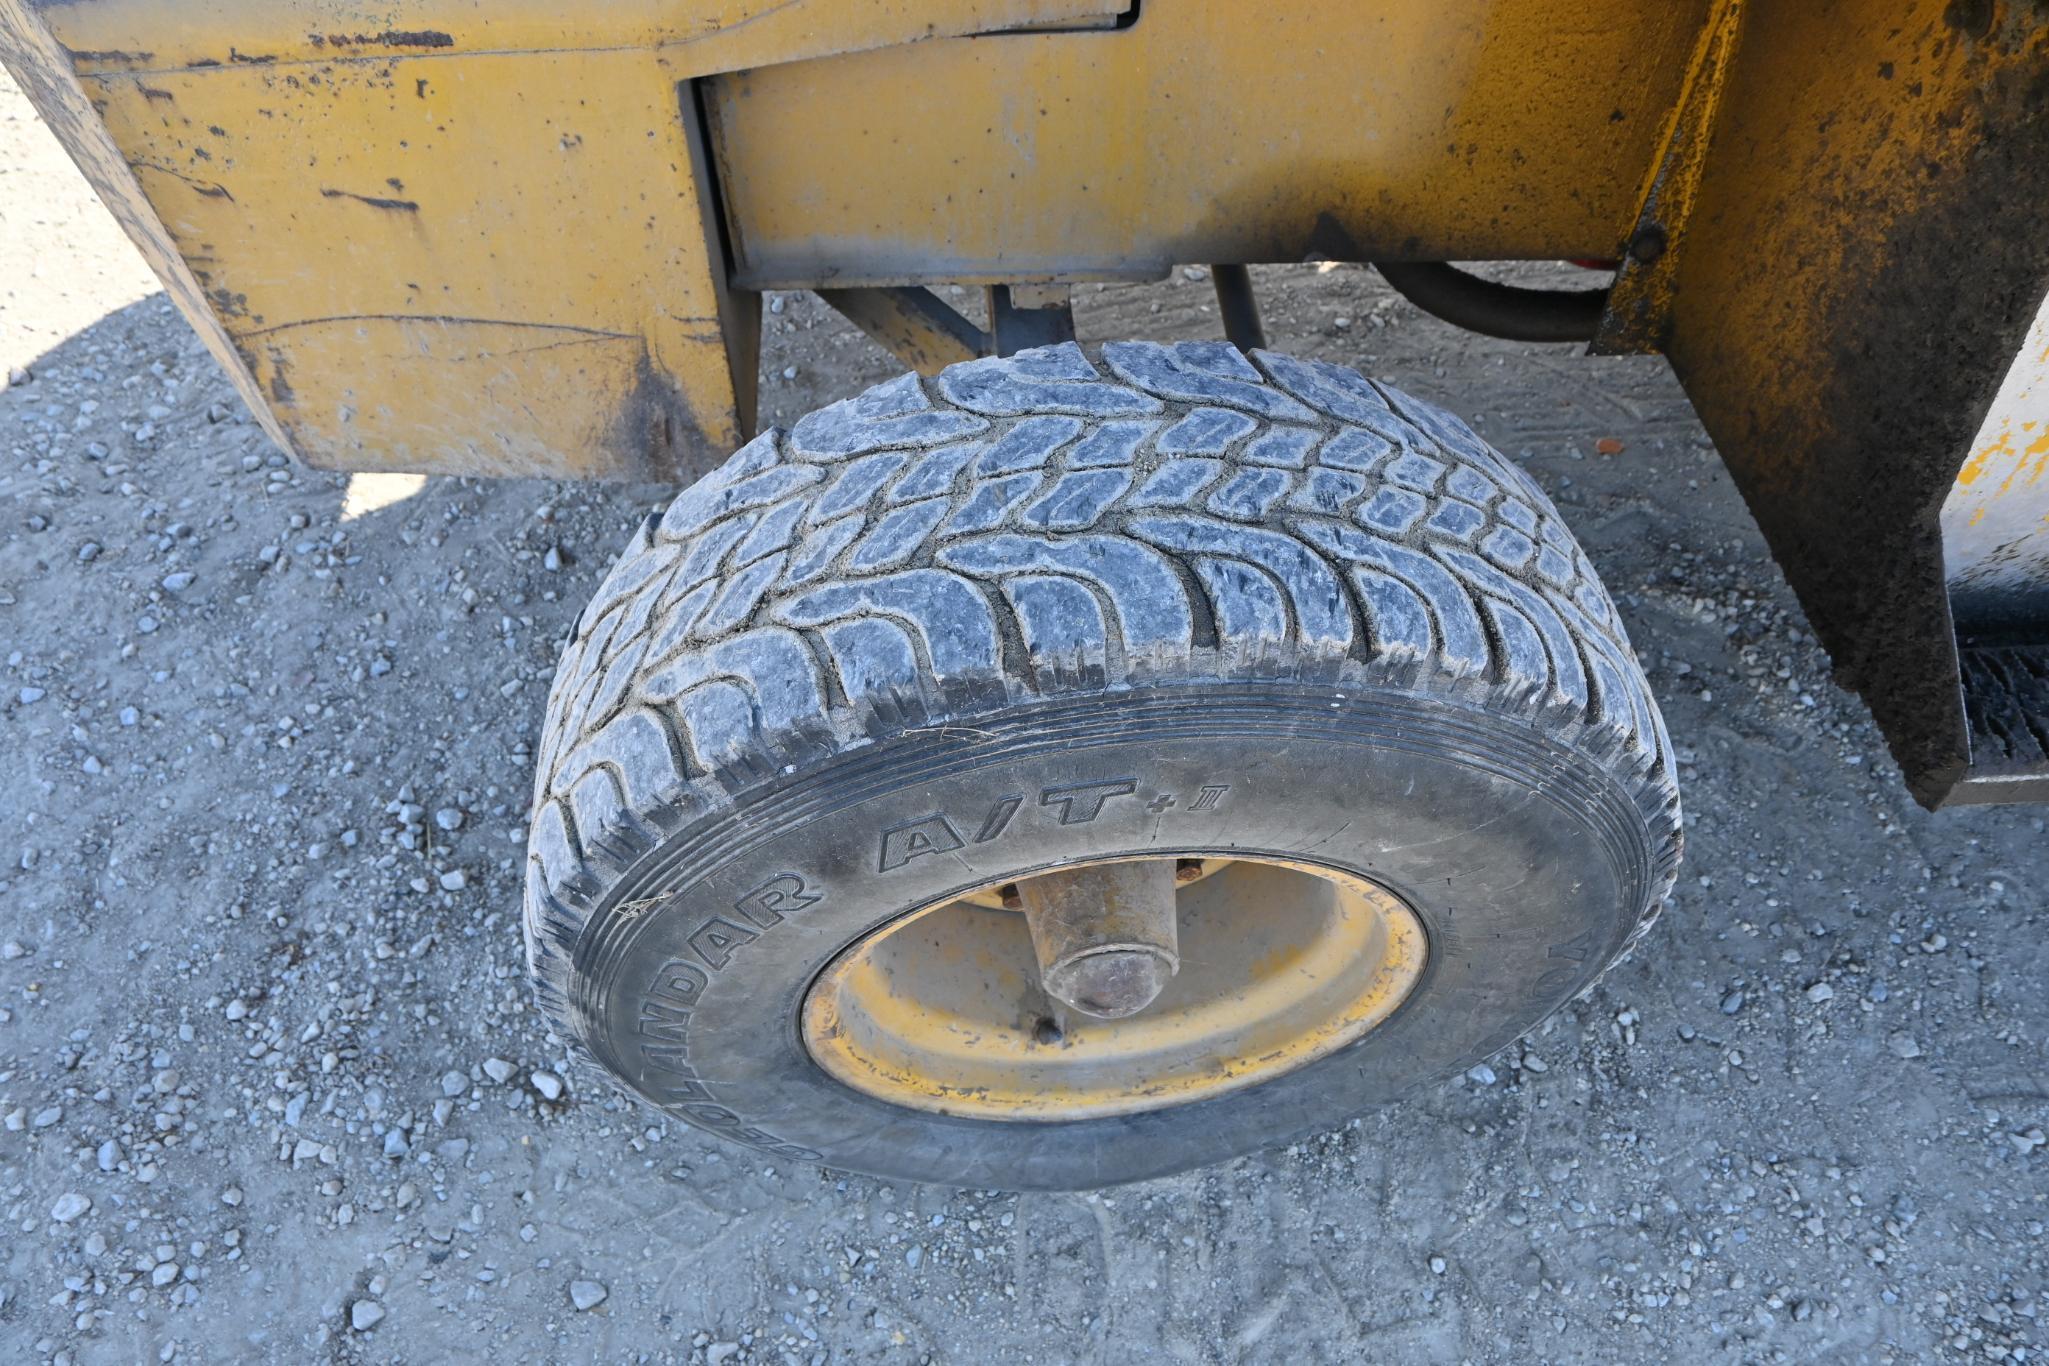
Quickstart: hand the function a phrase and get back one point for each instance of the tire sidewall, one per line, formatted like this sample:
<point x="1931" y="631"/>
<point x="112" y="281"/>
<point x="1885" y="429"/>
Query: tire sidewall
<point x="1528" y="863"/>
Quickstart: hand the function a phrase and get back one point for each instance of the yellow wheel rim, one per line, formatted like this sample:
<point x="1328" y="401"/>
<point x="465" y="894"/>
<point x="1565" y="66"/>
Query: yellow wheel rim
<point x="1281" y="964"/>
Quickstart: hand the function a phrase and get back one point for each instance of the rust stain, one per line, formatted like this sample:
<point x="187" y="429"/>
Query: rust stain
<point x="280" y="378"/>
<point x="210" y="188"/>
<point x="374" y="201"/>
<point x="110" y="55"/>
<point x="227" y="302"/>
<point x="389" y="38"/>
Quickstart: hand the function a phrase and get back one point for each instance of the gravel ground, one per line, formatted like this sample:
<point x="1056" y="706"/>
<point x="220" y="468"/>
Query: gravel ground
<point x="273" y="1089"/>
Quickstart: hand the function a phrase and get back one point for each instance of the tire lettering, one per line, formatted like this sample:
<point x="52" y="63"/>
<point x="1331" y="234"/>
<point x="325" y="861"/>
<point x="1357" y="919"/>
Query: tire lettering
<point x="772" y="900"/>
<point x="712" y="1116"/>
<point x="680" y="1092"/>
<point x="936" y="832"/>
<point x="679" y="984"/>
<point x="998" y="819"/>
<point x="663" y="1024"/>
<point x="715" y="940"/>
<point x="933" y="834"/>
<point x="666" y="1012"/>
<point x="1576" y="948"/>
<point x="1083" y="802"/>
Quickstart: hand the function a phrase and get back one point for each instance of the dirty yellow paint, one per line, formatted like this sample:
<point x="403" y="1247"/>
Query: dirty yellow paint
<point x="703" y="36"/>
<point x="1640" y="301"/>
<point x="1842" y="309"/>
<point x="1283" y="963"/>
<point x="479" y="236"/>
<point x="459" y="238"/>
<point x="427" y="267"/>
<point x="42" y="67"/>
<point x="1204" y="132"/>
<point x="1812" y="172"/>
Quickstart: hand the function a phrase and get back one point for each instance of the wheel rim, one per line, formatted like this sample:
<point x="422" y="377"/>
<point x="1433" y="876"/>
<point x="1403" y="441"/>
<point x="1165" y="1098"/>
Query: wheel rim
<point x="1282" y="963"/>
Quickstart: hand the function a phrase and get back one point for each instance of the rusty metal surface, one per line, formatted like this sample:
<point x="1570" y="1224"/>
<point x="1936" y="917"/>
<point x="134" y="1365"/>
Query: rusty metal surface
<point x="1640" y="301"/>
<point x="1862" y="262"/>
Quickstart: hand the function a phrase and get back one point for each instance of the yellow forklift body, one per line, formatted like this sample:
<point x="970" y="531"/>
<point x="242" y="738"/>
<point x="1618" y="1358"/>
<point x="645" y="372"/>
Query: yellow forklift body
<point x="474" y="240"/>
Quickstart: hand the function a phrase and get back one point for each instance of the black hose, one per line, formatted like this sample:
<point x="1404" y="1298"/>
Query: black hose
<point x="1496" y="310"/>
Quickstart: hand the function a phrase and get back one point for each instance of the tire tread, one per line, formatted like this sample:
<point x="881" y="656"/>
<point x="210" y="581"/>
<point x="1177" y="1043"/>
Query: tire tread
<point x="928" y="548"/>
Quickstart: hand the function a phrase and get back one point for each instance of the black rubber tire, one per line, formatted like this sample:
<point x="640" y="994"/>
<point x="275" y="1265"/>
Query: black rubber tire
<point x="958" y="631"/>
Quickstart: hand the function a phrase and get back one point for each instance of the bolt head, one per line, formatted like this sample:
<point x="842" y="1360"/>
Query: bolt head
<point x="1648" y="244"/>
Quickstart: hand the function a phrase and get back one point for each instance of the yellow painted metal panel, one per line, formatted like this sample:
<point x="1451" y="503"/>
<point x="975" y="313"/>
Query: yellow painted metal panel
<point x="702" y="35"/>
<point x="1205" y="132"/>
<point x="1822" y="171"/>
<point x="450" y="237"/>
<point x="1639" y="305"/>
<point x="492" y="266"/>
